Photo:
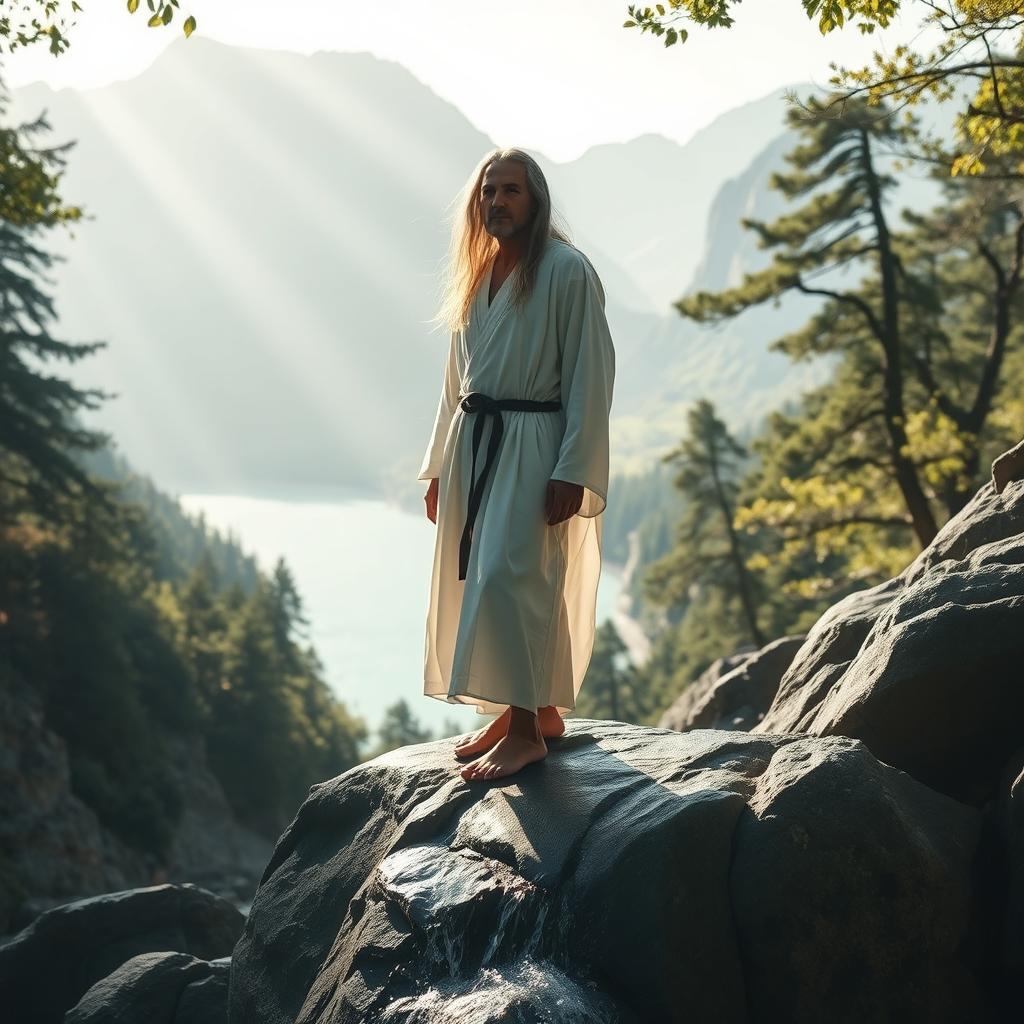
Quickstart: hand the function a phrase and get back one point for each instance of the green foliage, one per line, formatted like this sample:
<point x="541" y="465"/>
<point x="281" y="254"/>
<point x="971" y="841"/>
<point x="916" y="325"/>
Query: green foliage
<point x="114" y="611"/>
<point x="661" y="19"/>
<point x="708" y="553"/>
<point x="979" y="52"/>
<point x="50" y="21"/>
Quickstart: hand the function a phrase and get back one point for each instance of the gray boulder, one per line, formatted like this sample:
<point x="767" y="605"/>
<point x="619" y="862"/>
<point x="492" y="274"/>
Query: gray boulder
<point x="678" y="714"/>
<point x="734" y="693"/>
<point x="1009" y="466"/>
<point x="635" y="874"/>
<point x="157" y="988"/>
<point x="46" y="968"/>
<point x="928" y="668"/>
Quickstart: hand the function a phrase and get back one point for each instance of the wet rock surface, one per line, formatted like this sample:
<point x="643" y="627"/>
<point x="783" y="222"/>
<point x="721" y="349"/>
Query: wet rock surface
<point x="644" y="874"/>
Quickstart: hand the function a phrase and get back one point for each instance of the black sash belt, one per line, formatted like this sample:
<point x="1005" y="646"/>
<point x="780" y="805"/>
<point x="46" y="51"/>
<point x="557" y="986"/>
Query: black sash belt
<point x="478" y="402"/>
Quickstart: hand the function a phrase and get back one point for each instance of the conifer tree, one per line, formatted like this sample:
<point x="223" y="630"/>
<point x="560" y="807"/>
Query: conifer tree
<point x="842" y="223"/>
<point x="38" y="432"/>
<point x="610" y="689"/>
<point x="709" y="551"/>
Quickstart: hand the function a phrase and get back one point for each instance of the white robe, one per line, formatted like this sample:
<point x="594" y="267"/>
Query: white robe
<point x="520" y="628"/>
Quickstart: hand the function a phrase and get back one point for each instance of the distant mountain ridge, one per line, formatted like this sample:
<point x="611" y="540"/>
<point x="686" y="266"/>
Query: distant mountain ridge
<point x="265" y="256"/>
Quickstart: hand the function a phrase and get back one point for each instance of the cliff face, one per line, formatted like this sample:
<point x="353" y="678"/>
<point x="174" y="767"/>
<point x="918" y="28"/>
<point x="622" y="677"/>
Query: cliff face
<point x="53" y="848"/>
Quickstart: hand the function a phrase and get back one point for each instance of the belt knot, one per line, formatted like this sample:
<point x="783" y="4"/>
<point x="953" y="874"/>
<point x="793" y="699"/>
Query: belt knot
<point x="478" y="402"/>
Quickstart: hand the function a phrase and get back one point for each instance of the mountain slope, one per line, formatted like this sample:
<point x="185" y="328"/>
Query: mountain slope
<point x="264" y="260"/>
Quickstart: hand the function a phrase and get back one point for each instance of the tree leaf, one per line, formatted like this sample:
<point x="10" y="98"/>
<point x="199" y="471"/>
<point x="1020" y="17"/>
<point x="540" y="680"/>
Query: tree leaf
<point x="190" y="26"/>
<point x="133" y="6"/>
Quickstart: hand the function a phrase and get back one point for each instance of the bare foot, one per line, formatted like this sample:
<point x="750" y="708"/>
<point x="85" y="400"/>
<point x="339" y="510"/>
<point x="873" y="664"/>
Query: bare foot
<point x="509" y="754"/>
<point x="485" y="738"/>
<point x="551" y="727"/>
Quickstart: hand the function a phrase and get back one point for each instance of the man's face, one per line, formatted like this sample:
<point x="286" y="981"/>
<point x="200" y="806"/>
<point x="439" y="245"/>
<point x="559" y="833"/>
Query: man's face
<point x="505" y="204"/>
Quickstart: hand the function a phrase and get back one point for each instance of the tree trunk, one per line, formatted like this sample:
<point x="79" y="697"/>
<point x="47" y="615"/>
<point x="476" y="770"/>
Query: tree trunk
<point x="921" y="517"/>
<point x="736" y="557"/>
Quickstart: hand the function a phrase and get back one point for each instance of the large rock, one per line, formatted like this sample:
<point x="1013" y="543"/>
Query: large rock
<point x="733" y="693"/>
<point x="671" y="876"/>
<point x="47" y="967"/>
<point x="678" y="714"/>
<point x="157" y="988"/>
<point x="927" y="669"/>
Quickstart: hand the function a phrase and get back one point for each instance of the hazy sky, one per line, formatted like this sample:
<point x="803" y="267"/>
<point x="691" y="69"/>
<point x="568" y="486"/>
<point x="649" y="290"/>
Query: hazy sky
<point x="552" y="76"/>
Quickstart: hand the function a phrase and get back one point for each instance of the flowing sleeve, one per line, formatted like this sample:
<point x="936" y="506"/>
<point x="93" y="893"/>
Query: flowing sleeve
<point x="431" y="466"/>
<point x="587" y="377"/>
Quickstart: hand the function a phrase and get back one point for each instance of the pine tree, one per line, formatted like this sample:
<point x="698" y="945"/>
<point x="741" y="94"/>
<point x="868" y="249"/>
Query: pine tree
<point x="610" y="688"/>
<point x="964" y="263"/>
<point x="38" y="434"/>
<point x="842" y="223"/>
<point x="709" y="551"/>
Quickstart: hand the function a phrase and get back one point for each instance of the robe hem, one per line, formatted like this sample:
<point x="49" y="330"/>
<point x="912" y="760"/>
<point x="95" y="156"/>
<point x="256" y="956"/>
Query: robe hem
<point x="475" y="698"/>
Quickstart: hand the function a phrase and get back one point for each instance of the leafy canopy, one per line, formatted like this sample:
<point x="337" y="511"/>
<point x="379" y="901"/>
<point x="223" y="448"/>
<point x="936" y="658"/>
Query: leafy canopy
<point x="50" y="21"/>
<point x="662" y="19"/>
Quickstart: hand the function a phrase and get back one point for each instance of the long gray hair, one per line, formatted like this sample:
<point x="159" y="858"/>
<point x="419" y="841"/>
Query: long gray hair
<point x="472" y="248"/>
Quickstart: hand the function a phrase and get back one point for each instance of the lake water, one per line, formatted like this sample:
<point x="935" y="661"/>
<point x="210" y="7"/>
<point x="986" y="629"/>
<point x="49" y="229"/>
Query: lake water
<point x="362" y="568"/>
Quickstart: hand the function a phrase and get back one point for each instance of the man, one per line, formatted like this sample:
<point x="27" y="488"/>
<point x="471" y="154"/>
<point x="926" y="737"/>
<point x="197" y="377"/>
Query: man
<point x="518" y="468"/>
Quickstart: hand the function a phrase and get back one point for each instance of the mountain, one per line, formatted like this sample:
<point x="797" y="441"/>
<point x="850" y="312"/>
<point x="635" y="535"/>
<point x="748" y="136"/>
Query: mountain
<point x="263" y="260"/>
<point x="264" y="257"/>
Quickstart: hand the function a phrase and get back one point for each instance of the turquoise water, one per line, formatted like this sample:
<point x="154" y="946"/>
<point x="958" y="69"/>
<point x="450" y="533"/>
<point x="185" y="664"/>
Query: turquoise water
<point x="363" y="570"/>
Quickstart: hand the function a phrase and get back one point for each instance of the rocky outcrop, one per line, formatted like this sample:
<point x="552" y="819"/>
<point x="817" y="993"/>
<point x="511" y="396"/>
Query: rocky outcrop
<point x="1009" y="466"/>
<point x="673" y="876"/>
<point x="48" y="967"/>
<point x="734" y="693"/>
<point x="927" y="669"/>
<point x="858" y="856"/>
<point x="173" y="988"/>
<point x="681" y="710"/>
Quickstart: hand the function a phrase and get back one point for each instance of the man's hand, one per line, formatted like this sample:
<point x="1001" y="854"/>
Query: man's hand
<point x="562" y="501"/>
<point x="431" y="499"/>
